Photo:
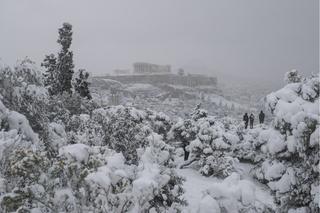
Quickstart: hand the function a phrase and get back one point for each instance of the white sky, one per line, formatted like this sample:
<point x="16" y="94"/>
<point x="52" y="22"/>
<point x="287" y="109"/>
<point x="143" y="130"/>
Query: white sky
<point x="247" y="40"/>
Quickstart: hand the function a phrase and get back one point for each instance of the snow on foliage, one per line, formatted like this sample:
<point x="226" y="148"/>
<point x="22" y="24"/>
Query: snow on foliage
<point x="79" y="152"/>
<point x="71" y="168"/>
<point x="62" y="153"/>
<point x="209" y="141"/>
<point x="292" y="145"/>
<point x="22" y="90"/>
<point x="292" y="77"/>
<point x="232" y="195"/>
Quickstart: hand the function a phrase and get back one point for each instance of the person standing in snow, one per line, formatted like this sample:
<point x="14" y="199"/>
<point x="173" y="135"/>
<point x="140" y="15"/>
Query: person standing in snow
<point x="251" y="118"/>
<point x="261" y="117"/>
<point x="246" y="120"/>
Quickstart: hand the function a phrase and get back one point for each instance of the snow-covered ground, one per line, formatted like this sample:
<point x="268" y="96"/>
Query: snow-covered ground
<point x="196" y="185"/>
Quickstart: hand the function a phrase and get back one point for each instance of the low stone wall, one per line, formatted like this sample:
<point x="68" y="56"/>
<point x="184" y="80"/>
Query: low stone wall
<point x="188" y="80"/>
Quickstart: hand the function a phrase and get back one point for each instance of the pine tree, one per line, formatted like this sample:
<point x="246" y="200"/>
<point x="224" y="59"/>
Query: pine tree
<point x="81" y="84"/>
<point x="50" y="75"/>
<point x="59" y="70"/>
<point x="65" y="59"/>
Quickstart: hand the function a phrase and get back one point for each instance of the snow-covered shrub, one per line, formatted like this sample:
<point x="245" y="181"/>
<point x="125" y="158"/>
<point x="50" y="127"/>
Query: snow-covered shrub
<point x="22" y="161"/>
<point x="125" y="131"/>
<point x="82" y="129"/>
<point x="159" y="122"/>
<point x="156" y="180"/>
<point x="183" y="131"/>
<point x="232" y="195"/>
<point x="249" y="146"/>
<point x="217" y="164"/>
<point x="107" y="160"/>
<point x="87" y="178"/>
<point x="198" y="113"/>
<point x="292" y="77"/>
<point x="211" y="148"/>
<point x="292" y="146"/>
<point x="56" y="138"/>
<point x="22" y="90"/>
<point x="209" y="141"/>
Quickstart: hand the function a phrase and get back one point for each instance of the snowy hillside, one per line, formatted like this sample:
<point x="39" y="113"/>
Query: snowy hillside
<point x="175" y="100"/>
<point x="68" y="153"/>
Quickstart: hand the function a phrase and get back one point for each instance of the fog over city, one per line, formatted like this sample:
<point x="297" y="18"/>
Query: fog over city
<point x="245" y="41"/>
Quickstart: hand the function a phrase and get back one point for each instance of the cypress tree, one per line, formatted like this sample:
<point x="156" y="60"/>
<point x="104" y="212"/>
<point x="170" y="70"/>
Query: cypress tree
<point x="59" y="70"/>
<point x="65" y="59"/>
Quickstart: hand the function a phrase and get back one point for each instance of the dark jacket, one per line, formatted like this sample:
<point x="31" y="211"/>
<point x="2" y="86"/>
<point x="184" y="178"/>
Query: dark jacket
<point x="251" y="118"/>
<point x="245" y="118"/>
<point x="261" y="116"/>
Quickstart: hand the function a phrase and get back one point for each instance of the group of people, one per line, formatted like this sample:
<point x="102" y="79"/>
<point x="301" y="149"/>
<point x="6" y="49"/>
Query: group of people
<point x="250" y="119"/>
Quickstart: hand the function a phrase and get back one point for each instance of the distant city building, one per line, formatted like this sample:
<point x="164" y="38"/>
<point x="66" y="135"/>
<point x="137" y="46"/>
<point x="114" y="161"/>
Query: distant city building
<point x="121" y="72"/>
<point x="147" y="68"/>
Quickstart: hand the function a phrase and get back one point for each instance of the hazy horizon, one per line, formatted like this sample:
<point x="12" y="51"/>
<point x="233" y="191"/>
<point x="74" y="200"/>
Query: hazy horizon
<point x="244" y="41"/>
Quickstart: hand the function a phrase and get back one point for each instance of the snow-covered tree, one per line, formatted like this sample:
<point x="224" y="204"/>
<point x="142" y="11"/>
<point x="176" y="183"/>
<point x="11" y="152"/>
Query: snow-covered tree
<point x="83" y="176"/>
<point x="59" y="70"/>
<point x="183" y="131"/>
<point x="212" y="147"/>
<point x="81" y="84"/>
<point x="51" y="80"/>
<point x="22" y="90"/>
<point x="65" y="58"/>
<point x="292" y="77"/>
<point x="82" y="129"/>
<point x="209" y="141"/>
<point x="248" y="149"/>
<point x="292" y="146"/>
<point x="125" y="131"/>
<point x="159" y="122"/>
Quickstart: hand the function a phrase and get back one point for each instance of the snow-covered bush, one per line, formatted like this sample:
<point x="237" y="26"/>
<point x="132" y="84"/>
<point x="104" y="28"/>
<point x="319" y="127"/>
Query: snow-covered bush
<point x="83" y="177"/>
<point x="86" y="159"/>
<point x="22" y="162"/>
<point x="232" y="195"/>
<point x="212" y="146"/>
<point x="125" y="131"/>
<point x="292" y="77"/>
<point x="82" y="129"/>
<point x="209" y="141"/>
<point x="159" y="122"/>
<point x="183" y="131"/>
<point x="198" y="113"/>
<point x="21" y="89"/>
<point x="248" y="148"/>
<point x="291" y="169"/>
<point x="157" y="180"/>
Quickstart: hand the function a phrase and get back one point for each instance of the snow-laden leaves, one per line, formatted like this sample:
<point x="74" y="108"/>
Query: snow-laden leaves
<point x="292" y="146"/>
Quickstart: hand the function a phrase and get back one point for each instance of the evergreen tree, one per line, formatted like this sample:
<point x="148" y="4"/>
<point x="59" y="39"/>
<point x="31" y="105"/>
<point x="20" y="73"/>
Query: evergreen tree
<point x="81" y="84"/>
<point x="65" y="58"/>
<point x="59" y="70"/>
<point x="50" y="75"/>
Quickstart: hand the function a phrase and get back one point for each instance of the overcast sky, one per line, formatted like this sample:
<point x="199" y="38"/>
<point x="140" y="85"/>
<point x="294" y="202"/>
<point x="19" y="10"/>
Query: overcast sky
<point x="249" y="40"/>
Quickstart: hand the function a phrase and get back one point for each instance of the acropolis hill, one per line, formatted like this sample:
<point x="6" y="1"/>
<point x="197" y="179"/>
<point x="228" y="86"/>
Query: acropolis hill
<point x="159" y="74"/>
